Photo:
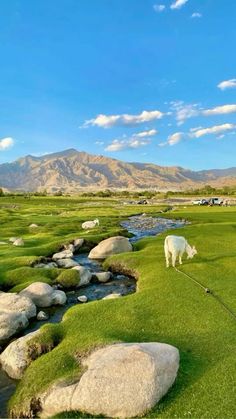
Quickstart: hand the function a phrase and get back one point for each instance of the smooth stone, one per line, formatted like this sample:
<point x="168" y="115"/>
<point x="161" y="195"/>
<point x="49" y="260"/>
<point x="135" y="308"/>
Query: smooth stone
<point x="12" y="301"/>
<point x="82" y="299"/>
<point x="85" y="275"/>
<point x="15" y="358"/>
<point x="120" y="381"/>
<point x="78" y="243"/>
<point x="103" y="276"/>
<point x="33" y="226"/>
<point x="65" y="254"/>
<point x="70" y="247"/>
<point x="42" y="315"/>
<point x="109" y="247"/>
<point x="11" y="322"/>
<point x="66" y="263"/>
<point x="43" y="295"/>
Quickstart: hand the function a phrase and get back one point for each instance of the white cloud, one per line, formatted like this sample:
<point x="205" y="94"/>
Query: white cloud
<point x="99" y="142"/>
<point x="6" y="143"/>
<point x="217" y="129"/>
<point x="107" y="121"/>
<point x="220" y="110"/>
<point x="196" y="15"/>
<point x="227" y="84"/>
<point x="175" y="138"/>
<point x="133" y="143"/>
<point x="159" y="7"/>
<point x="178" y="4"/>
<point x="143" y="134"/>
<point x="184" y="111"/>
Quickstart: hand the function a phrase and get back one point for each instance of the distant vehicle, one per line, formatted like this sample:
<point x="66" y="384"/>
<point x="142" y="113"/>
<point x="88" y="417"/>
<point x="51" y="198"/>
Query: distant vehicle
<point x="216" y="201"/>
<point x="200" y="202"/>
<point x="142" y="202"/>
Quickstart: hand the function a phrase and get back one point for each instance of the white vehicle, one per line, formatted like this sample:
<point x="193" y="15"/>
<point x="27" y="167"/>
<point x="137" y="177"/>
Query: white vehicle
<point x="216" y="201"/>
<point x="200" y="202"/>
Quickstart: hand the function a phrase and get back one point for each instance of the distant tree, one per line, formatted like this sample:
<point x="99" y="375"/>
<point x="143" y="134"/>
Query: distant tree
<point x="1" y="192"/>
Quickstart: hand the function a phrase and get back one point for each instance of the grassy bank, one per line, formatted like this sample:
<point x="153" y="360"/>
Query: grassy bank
<point x="167" y="307"/>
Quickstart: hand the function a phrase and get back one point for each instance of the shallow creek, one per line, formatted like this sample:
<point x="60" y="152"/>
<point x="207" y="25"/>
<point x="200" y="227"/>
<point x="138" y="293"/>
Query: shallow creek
<point x="139" y="226"/>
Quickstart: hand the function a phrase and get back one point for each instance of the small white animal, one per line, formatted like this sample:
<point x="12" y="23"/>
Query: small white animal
<point x="90" y="224"/>
<point x="175" y="246"/>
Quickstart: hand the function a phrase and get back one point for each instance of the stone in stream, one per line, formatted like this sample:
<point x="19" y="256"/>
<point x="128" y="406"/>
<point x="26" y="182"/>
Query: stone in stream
<point x="103" y="276"/>
<point x="78" y="243"/>
<point x="65" y="254"/>
<point x="82" y="299"/>
<point x="85" y="275"/>
<point x="17" y="303"/>
<point x="112" y="296"/>
<point x="42" y="315"/>
<point x="66" y="263"/>
<point x="70" y="247"/>
<point x="109" y="247"/>
<point x="16" y="358"/>
<point x="43" y="295"/>
<point x="11" y="322"/>
<point x="121" y="380"/>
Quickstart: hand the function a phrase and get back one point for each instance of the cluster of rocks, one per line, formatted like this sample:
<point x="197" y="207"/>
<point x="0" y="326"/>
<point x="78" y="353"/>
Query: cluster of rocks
<point x="64" y="258"/>
<point x="143" y="225"/>
<point x="17" y="309"/>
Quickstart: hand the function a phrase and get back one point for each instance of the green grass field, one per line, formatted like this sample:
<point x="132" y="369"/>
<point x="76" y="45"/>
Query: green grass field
<point x="167" y="306"/>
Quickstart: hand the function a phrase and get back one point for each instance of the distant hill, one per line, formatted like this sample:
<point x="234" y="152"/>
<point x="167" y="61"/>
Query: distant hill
<point x="73" y="171"/>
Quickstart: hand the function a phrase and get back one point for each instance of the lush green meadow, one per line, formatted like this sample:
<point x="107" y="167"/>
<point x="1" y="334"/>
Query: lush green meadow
<point x="167" y="306"/>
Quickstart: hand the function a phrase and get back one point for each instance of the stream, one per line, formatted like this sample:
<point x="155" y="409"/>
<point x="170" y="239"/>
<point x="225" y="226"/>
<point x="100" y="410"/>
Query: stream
<point x="139" y="226"/>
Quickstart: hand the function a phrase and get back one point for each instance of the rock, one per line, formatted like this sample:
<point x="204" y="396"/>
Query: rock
<point x="112" y="296"/>
<point x="11" y="322"/>
<point x="49" y="265"/>
<point x="103" y="276"/>
<point x="18" y="242"/>
<point x="15" y="358"/>
<point x="12" y="239"/>
<point x="59" y="298"/>
<point x="17" y="303"/>
<point x="85" y="275"/>
<point x="82" y="299"/>
<point x="42" y="315"/>
<point x="33" y="226"/>
<point x="78" y="243"/>
<point x="43" y="295"/>
<point x="66" y="263"/>
<point x="70" y="247"/>
<point x="120" y="381"/>
<point x="111" y="246"/>
<point x="63" y="255"/>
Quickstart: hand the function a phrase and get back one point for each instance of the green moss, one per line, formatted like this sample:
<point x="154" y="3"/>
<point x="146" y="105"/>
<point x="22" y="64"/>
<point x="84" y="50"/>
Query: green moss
<point x="69" y="278"/>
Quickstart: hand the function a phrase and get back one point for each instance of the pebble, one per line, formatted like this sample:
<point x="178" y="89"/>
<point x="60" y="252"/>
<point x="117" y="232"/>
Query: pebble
<point x="42" y="315"/>
<point x="82" y="299"/>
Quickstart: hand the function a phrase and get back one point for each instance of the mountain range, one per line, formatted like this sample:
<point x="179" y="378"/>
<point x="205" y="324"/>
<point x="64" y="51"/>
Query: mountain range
<point x="73" y="171"/>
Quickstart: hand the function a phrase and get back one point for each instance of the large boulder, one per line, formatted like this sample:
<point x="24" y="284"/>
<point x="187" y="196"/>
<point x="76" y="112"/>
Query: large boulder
<point x="16" y="357"/>
<point x="85" y="275"/>
<point x="43" y="295"/>
<point x="17" y="303"/>
<point x="121" y="380"/>
<point x="11" y="322"/>
<point x="109" y="247"/>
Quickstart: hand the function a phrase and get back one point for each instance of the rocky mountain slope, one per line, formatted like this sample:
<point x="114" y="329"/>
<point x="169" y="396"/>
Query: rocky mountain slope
<point x="72" y="171"/>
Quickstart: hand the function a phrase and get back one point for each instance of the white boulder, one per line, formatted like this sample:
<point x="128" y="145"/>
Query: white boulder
<point x="66" y="263"/>
<point x="120" y="381"/>
<point x="17" y="303"/>
<point x="16" y="358"/>
<point x="111" y="246"/>
<point x="103" y="276"/>
<point x="18" y="242"/>
<point x="43" y="295"/>
<point x="11" y="322"/>
<point x="63" y="255"/>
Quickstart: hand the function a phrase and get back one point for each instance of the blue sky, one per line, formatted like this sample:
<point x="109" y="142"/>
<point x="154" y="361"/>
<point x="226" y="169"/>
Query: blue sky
<point x="137" y="80"/>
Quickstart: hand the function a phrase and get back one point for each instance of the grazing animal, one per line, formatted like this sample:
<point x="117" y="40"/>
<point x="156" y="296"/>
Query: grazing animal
<point x="175" y="246"/>
<point x="90" y="224"/>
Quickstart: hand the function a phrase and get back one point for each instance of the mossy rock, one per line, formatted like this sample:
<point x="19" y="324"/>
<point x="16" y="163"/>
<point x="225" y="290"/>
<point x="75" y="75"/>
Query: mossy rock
<point x="69" y="278"/>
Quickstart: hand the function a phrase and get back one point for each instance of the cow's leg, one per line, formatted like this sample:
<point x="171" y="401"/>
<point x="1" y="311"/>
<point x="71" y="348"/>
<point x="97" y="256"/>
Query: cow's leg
<point x="180" y="258"/>
<point x="173" y="259"/>
<point x="167" y="255"/>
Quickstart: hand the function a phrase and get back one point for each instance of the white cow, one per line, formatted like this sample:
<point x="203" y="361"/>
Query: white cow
<point x="175" y="246"/>
<point x="90" y="224"/>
